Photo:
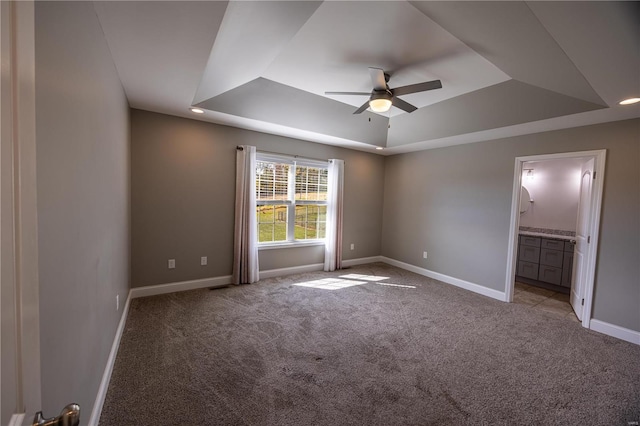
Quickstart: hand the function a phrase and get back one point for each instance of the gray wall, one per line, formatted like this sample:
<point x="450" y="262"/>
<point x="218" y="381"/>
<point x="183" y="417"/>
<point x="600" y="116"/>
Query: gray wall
<point x="183" y="189"/>
<point x="82" y="127"/>
<point x="455" y="203"/>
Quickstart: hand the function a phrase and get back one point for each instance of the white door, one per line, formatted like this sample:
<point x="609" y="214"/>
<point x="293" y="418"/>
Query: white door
<point x="582" y="239"/>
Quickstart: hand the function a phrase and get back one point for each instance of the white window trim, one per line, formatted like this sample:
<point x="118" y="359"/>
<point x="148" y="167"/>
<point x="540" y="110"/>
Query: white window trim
<point x="291" y="202"/>
<point x="287" y="244"/>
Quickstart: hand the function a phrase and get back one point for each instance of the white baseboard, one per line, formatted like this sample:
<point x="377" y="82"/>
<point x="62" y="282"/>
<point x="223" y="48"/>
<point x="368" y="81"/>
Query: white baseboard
<point x="292" y="270"/>
<point x="106" y="376"/>
<point x="16" y="419"/>
<point x="615" y="331"/>
<point x="152" y="290"/>
<point x="476" y="288"/>
<point x="362" y="261"/>
<point x="315" y="267"/>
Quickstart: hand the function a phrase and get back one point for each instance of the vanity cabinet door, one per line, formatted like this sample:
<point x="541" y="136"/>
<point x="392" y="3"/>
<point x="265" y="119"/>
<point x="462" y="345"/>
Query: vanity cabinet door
<point x="529" y="241"/>
<point x="528" y="270"/>
<point x="529" y="253"/>
<point x="551" y="257"/>
<point x="550" y="274"/>
<point x="552" y="244"/>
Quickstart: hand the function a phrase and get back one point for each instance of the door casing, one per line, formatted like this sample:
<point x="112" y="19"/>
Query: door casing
<point x="19" y="202"/>
<point x="594" y="223"/>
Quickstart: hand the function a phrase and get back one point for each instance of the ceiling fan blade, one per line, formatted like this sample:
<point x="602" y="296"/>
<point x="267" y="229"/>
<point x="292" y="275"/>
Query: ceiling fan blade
<point x="377" y="79"/>
<point x="362" y="108"/>
<point x="405" y="106"/>
<point x="415" y="88"/>
<point x="347" y="93"/>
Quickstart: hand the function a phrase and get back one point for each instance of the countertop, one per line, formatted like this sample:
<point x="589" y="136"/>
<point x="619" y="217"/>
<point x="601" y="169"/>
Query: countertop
<point x="550" y="236"/>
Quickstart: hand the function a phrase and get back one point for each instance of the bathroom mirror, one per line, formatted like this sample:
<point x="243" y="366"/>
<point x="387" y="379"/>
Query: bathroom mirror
<point x="525" y="200"/>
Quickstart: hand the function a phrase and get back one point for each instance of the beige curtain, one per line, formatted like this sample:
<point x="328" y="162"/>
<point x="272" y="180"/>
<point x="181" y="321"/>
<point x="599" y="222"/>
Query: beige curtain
<point x="245" y="247"/>
<point x="333" y="242"/>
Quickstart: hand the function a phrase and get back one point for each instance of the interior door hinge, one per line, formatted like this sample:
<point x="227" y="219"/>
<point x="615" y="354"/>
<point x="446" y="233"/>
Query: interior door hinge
<point x="582" y="302"/>
<point x="589" y="239"/>
<point x="594" y="175"/>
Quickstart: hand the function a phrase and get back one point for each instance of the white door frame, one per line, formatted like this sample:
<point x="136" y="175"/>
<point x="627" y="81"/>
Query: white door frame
<point x="594" y="223"/>
<point x="20" y="252"/>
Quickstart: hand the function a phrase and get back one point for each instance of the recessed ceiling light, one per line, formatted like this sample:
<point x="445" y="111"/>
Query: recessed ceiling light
<point x="630" y="101"/>
<point x="379" y="148"/>
<point x="197" y="110"/>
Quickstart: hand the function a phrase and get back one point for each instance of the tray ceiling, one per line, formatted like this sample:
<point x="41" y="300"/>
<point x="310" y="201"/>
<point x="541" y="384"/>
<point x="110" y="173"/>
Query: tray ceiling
<point x="507" y="68"/>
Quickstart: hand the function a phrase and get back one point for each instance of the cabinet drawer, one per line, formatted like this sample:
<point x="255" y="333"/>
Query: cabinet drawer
<point x="569" y="246"/>
<point x="550" y="257"/>
<point x="550" y="274"/>
<point x="528" y="270"/>
<point x="529" y="253"/>
<point x="552" y="244"/>
<point x="530" y="241"/>
<point x="567" y="269"/>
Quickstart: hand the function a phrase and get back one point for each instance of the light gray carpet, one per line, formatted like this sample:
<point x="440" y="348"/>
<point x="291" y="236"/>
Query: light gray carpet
<point x="274" y="353"/>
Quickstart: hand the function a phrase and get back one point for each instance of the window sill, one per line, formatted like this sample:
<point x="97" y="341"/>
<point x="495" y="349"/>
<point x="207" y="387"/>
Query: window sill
<point x="271" y="246"/>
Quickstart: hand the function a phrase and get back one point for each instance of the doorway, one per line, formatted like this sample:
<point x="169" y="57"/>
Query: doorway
<point x="587" y="227"/>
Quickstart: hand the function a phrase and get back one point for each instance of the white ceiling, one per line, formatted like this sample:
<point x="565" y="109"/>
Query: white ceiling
<point x="507" y="68"/>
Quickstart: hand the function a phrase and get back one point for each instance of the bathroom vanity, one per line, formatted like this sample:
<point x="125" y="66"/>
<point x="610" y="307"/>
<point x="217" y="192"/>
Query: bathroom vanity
<point x="545" y="260"/>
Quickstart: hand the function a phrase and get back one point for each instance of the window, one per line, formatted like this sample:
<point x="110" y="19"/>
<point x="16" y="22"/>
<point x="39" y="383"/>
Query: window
<point x="291" y="199"/>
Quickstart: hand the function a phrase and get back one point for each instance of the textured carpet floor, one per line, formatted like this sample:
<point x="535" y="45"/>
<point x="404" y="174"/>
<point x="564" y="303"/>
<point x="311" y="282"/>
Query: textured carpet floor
<point x="277" y="353"/>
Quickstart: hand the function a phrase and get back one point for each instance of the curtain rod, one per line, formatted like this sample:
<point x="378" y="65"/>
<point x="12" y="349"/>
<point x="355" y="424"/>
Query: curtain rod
<point x="285" y="155"/>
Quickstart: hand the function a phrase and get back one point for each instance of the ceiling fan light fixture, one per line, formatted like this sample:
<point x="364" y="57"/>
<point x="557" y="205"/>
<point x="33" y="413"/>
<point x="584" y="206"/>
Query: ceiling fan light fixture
<point x="380" y="105"/>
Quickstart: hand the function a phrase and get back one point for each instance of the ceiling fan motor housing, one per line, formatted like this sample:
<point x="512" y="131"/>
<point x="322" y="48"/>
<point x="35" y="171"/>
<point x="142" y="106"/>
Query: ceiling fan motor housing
<point x="380" y="94"/>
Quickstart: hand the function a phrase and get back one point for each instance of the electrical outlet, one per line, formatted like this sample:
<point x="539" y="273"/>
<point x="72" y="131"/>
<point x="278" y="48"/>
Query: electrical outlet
<point x="424" y="254"/>
<point x="203" y="260"/>
<point x="172" y="263"/>
<point x="353" y="246"/>
<point x="117" y="302"/>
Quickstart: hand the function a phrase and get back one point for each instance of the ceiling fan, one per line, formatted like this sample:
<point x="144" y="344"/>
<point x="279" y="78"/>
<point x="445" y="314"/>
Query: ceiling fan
<point x="382" y="97"/>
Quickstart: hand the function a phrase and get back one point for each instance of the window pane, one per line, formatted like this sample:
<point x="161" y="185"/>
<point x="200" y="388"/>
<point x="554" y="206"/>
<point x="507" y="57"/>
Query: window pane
<point x="280" y="232"/>
<point x="322" y="214"/>
<point x="322" y="221"/>
<point x="311" y="183"/>
<point x="272" y="180"/>
<point x="301" y="222"/>
<point x="310" y="222"/>
<point x="265" y="232"/>
<point x="322" y="230"/>
<point x="272" y="223"/>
